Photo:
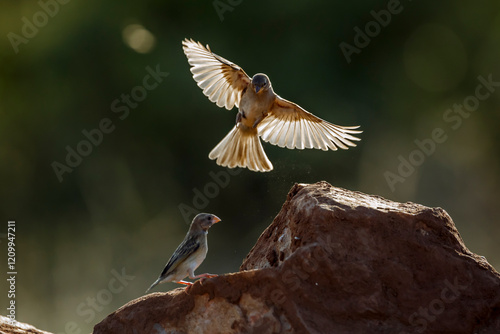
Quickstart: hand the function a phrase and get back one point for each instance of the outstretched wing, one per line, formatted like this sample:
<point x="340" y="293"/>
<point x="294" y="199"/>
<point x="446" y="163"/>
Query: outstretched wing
<point x="221" y="80"/>
<point x="288" y="125"/>
<point x="185" y="249"/>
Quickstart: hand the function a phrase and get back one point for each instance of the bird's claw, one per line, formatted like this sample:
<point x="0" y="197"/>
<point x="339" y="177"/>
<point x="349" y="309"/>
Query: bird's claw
<point x="207" y="276"/>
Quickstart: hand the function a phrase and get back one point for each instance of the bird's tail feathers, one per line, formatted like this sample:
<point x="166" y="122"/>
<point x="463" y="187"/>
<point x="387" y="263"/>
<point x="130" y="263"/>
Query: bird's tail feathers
<point x="241" y="147"/>
<point x="154" y="284"/>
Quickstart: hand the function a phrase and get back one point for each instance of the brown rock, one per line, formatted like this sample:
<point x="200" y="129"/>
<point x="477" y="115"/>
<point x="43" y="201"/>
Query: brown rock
<point x="6" y="327"/>
<point x="336" y="261"/>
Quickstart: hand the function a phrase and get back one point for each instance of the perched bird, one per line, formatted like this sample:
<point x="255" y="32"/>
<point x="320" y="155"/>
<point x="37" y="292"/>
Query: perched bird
<point x="261" y="113"/>
<point x="190" y="253"/>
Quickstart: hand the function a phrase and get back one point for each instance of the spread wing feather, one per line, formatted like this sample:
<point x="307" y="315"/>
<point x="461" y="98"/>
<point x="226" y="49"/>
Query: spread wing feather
<point x="289" y="125"/>
<point x="221" y="80"/>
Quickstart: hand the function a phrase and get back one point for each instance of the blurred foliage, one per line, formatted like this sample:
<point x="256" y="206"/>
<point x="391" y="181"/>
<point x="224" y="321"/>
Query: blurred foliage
<point x="119" y="208"/>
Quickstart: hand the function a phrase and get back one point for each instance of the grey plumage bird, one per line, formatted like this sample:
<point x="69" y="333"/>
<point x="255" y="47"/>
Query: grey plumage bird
<point x="190" y="253"/>
<point x="262" y="113"/>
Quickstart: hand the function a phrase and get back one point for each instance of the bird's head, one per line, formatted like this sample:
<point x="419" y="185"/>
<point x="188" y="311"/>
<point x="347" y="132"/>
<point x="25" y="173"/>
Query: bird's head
<point x="204" y="221"/>
<point x="260" y="82"/>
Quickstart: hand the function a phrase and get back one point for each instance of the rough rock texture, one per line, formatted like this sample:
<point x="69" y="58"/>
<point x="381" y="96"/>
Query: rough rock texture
<point x="336" y="261"/>
<point x="17" y="328"/>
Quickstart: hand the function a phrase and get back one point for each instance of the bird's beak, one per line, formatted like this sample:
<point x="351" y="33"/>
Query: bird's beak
<point x="216" y="220"/>
<point x="257" y="88"/>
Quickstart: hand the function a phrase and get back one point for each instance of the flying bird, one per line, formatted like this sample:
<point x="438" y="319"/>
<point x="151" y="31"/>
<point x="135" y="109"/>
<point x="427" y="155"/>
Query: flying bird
<point x="190" y="253"/>
<point x="262" y="113"/>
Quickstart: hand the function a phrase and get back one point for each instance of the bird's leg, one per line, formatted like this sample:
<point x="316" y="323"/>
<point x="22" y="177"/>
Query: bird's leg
<point x="187" y="284"/>
<point x="239" y="116"/>
<point x="204" y="276"/>
<point x="184" y="282"/>
<point x="257" y="121"/>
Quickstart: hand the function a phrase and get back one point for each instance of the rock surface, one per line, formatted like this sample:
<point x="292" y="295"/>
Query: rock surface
<point x="336" y="261"/>
<point x="17" y="328"/>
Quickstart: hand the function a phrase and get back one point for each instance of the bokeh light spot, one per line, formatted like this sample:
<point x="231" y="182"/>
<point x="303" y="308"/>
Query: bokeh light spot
<point x="138" y="38"/>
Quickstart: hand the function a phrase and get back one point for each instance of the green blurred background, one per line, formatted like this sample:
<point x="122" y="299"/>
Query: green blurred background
<point x="119" y="208"/>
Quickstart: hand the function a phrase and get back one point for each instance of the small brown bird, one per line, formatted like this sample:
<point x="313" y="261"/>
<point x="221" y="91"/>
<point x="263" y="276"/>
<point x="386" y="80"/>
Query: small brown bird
<point x="262" y="113"/>
<point x="190" y="253"/>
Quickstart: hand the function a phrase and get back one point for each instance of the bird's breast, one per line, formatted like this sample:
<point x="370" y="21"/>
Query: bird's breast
<point x="254" y="107"/>
<point x="198" y="258"/>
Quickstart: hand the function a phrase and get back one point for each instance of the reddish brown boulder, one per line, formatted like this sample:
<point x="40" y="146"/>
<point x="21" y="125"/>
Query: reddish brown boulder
<point x="7" y="327"/>
<point x="336" y="261"/>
